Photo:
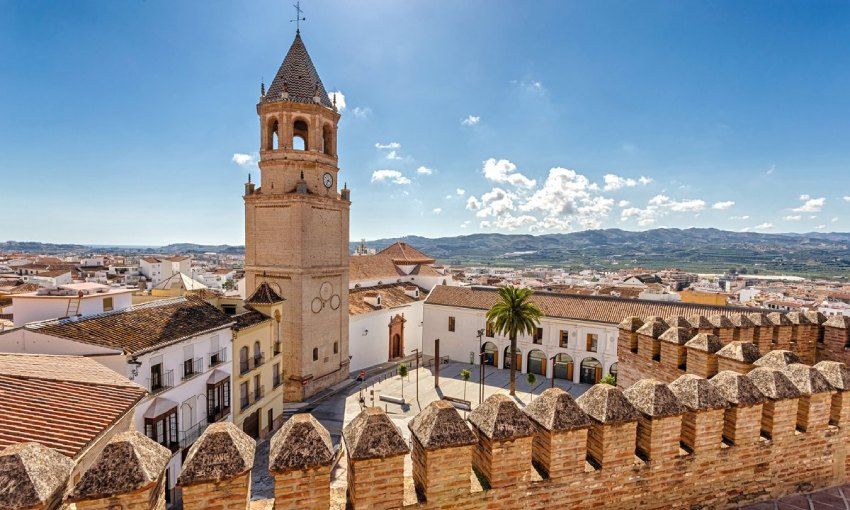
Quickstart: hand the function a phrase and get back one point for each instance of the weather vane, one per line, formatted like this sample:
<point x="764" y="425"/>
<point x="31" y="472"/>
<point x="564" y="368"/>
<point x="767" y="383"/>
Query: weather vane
<point x="298" y="18"/>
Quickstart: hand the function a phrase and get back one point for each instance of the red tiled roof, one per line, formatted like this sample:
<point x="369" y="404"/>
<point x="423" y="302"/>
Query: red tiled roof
<point x="140" y="328"/>
<point x="402" y="253"/>
<point x="391" y="297"/>
<point x="62" y="402"/>
<point x="607" y="309"/>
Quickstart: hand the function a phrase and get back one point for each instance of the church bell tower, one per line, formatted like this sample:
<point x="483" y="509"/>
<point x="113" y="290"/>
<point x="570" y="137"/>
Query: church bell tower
<point x="296" y="225"/>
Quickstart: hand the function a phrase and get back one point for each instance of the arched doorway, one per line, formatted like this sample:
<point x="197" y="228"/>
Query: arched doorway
<point x="490" y="354"/>
<point x="563" y="368"/>
<point x="516" y="358"/>
<point x="536" y="362"/>
<point x="591" y="371"/>
<point x="396" y="336"/>
<point x="613" y="371"/>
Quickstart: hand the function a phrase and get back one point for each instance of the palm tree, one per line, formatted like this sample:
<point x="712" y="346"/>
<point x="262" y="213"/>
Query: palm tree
<point x="465" y="374"/>
<point x="513" y="315"/>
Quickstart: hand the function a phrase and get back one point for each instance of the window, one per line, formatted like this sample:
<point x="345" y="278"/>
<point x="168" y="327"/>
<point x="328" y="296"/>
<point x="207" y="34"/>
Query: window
<point x="488" y="332"/>
<point x="336" y="347"/>
<point x="315" y="354"/>
<point x="218" y="400"/>
<point x="538" y="335"/>
<point x="243" y="395"/>
<point x="107" y="304"/>
<point x="271" y="418"/>
<point x="276" y="375"/>
<point x="592" y="342"/>
<point x="163" y="429"/>
<point x="565" y="339"/>
<point x="451" y="323"/>
<point x="229" y="309"/>
<point x="300" y="135"/>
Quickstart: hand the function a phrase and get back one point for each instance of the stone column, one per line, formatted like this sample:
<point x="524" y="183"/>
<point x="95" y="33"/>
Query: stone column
<point x="443" y="446"/>
<point x="300" y="458"/>
<point x="628" y="333"/>
<point x="744" y="328"/>
<point x="742" y="421"/>
<point x="659" y="427"/>
<point x="838" y="376"/>
<point x="702" y="354"/>
<point x="503" y="452"/>
<point x="217" y="470"/>
<point x="813" y="413"/>
<point x="779" y="414"/>
<point x="560" y="437"/>
<point x="128" y="473"/>
<point x="375" y="450"/>
<point x="763" y="336"/>
<point x="673" y="352"/>
<point x="33" y="476"/>
<point x="836" y="336"/>
<point x="782" y="330"/>
<point x="648" y="344"/>
<point x="612" y="434"/>
<point x="723" y="328"/>
<point x="737" y="356"/>
<point x="702" y="423"/>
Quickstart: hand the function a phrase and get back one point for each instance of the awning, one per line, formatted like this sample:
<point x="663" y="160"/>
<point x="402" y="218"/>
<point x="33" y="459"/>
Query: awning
<point x="159" y="406"/>
<point x="217" y="376"/>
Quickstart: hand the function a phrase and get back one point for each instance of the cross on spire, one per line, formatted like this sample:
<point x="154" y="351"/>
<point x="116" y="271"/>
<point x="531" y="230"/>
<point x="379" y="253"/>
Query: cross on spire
<point x="298" y="18"/>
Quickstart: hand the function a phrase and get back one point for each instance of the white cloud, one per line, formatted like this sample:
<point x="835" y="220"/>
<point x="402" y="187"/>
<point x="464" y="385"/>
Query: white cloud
<point x="473" y="204"/>
<point x="623" y="203"/>
<point x="644" y="180"/>
<point x="745" y="217"/>
<point x="471" y="120"/>
<point x="847" y="198"/>
<point x="722" y="206"/>
<point x="834" y="219"/>
<point x="437" y="210"/>
<point x="393" y="176"/>
<point x="465" y="224"/>
<point x="393" y="155"/>
<point x="811" y="204"/>
<point x="510" y="222"/>
<point x="763" y="226"/>
<point x="503" y="171"/>
<point x="792" y="217"/>
<point x="658" y="207"/>
<point x="424" y="170"/>
<point x="770" y="170"/>
<point x="820" y="227"/>
<point x="615" y="182"/>
<point x="340" y="99"/>
<point x="361" y="111"/>
<point x="391" y="145"/>
<point x="242" y="159"/>
<point x="460" y="192"/>
<point x="495" y="203"/>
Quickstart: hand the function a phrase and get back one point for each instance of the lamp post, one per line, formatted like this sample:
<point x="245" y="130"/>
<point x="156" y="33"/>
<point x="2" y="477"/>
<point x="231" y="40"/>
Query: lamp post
<point x="480" y="366"/>
<point x="552" y="359"/>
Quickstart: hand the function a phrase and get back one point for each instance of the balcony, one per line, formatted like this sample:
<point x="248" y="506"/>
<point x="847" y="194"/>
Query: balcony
<point x="159" y="382"/>
<point x="277" y="380"/>
<point x="217" y="358"/>
<point x="259" y="359"/>
<point x="246" y="365"/>
<point x="252" y="397"/>
<point x="187" y="437"/>
<point x="192" y="367"/>
<point x="217" y="413"/>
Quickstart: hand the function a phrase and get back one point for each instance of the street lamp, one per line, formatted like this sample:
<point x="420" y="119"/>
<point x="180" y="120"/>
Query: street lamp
<point x="480" y="366"/>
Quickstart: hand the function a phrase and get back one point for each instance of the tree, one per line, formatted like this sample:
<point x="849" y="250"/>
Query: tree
<point x="512" y="315"/>
<point x="608" y="379"/>
<point x="532" y="380"/>
<point x="465" y="374"/>
<point x="402" y="373"/>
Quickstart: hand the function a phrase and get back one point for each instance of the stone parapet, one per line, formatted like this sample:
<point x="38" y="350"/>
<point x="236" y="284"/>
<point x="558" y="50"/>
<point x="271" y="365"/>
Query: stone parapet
<point x="300" y="459"/>
<point x="503" y="452"/>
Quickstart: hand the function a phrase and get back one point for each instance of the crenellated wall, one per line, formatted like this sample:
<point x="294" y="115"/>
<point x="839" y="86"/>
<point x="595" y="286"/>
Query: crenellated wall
<point x="667" y="348"/>
<point x="722" y="442"/>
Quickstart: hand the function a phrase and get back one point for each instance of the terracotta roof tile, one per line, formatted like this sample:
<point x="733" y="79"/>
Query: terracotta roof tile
<point x="140" y="328"/>
<point x="65" y="410"/>
<point x="391" y="296"/>
<point x="605" y="309"/>
<point x="264" y="295"/>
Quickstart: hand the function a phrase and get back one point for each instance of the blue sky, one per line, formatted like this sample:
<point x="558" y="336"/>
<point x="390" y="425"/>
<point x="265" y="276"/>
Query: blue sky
<point x="120" y="121"/>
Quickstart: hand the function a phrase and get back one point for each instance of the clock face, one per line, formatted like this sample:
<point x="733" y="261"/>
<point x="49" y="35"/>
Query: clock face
<point x="328" y="180"/>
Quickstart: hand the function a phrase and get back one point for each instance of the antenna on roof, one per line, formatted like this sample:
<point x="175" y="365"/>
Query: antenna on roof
<point x="298" y="18"/>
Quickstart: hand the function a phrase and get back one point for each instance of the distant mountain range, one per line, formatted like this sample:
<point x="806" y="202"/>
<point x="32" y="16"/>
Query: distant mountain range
<point x="696" y="249"/>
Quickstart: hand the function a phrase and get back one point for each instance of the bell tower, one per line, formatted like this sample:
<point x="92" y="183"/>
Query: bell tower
<point x="296" y="225"/>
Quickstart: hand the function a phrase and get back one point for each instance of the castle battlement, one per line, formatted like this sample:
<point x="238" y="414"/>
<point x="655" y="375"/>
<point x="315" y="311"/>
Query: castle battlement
<point x="733" y="439"/>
